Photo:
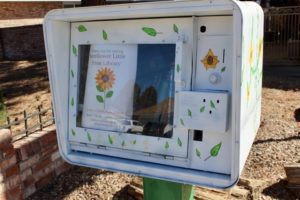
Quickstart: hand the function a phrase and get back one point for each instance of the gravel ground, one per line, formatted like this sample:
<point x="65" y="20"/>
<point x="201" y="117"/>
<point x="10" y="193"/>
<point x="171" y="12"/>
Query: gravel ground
<point x="277" y="143"/>
<point x="278" y="140"/>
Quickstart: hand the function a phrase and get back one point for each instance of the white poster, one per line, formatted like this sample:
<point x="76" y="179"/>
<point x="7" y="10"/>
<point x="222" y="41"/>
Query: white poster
<point x="108" y="99"/>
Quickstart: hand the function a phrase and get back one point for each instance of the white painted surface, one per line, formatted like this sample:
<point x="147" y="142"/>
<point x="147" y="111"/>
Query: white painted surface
<point x="193" y="162"/>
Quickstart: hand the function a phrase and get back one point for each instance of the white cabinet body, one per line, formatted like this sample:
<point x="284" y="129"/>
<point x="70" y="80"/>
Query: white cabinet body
<point x="168" y="90"/>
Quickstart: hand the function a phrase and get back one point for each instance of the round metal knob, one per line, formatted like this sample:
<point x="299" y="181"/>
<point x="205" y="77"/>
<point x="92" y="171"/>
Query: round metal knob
<point x="214" y="78"/>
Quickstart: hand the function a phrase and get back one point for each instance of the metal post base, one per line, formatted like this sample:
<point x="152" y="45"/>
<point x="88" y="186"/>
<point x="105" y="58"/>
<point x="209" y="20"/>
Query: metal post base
<point x="155" y="189"/>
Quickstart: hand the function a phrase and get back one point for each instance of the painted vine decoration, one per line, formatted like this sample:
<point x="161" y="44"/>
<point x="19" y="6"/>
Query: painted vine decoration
<point x="74" y="50"/>
<point x="72" y="73"/>
<point x="189" y="113"/>
<point x="151" y="31"/>
<point x="81" y="28"/>
<point x="212" y="105"/>
<point x="73" y="132"/>
<point x="104" y="35"/>
<point x="133" y="142"/>
<point x="72" y="102"/>
<point x="198" y="153"/>
<point x="175" y="28"/>
<point x="167" y="145"/>
<point x="179" y="142"/>
<point x="181" y="122"/>
<point x="111" y="139"/>
<point x="214" y="152"/>
<point x="178" y="68"/>
<point x="89" y="137"/>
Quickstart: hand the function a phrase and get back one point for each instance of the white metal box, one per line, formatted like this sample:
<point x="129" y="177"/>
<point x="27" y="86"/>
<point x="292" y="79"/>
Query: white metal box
<point x="168" y="90"/>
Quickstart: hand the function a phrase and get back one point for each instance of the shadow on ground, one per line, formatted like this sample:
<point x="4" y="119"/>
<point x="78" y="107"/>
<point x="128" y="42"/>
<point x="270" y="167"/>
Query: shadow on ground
<point x="283" y="83"/>
<point x="23" y="78"/>
<point x="297" y="115"/>
<point x="67" y="183"/>
<point x="123" y="194"/>
<point x="279" y="80"/>
<point x="297" y="137"/>
<point x="279" y="191"/>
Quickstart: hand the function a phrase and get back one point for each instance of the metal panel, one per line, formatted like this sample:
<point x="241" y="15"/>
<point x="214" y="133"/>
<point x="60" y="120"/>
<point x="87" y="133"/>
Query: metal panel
<point x="212" y="162"/>
<point x="206" y="110"/>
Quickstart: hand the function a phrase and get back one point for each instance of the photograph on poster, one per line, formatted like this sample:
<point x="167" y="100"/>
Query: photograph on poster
<point x="129" y="88"/>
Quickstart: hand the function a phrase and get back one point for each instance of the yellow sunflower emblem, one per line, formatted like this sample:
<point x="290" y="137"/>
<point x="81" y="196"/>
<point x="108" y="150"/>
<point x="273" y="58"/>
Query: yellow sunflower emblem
<point x="248" y="93"/>
<point x="260" y="47"/>
<point x="210" y="60"/>
<point x="105" y="78"/>
<point x="251" y="54"/>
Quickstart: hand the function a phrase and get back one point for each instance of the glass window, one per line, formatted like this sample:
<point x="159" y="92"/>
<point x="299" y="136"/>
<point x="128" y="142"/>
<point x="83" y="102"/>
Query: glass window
<point x="127" y="88"/>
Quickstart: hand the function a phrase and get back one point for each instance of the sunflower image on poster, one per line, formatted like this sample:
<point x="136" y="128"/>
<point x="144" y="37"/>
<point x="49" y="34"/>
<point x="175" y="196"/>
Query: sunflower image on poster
<point x="109" y="87"/>
<point x="105" y="79"/>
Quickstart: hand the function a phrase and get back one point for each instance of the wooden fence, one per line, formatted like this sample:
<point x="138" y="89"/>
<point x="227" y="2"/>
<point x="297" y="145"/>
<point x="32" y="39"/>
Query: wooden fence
<point x="23" y="123"/>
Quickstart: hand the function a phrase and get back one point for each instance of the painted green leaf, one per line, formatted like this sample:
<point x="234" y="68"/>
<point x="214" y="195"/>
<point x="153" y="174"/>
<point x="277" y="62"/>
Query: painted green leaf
<point x="150" y="31"/>
<point x="100" y="98"/>
<point x="198" y="153"/>
<point x="260" y="74"/>
<point x="99" y="88"/>
<point x="179" y="142"/>
<point x="72" y="73"/>
<point x="81" y="28"/>
<point x="175" y="28"/>
<point x="181" y="121"/>
<point x="134" y="142"/>
<point x="72" y="101"/>
<point x="73" y="132"/>
<point x="253" y="70"/>
<point x="74" y="50"/>
<point x="212" y="105"/>
<point x="202" y="109"/>
<point x="215" y="150"/>
<point x="89" y="136"/>
<point x="123" y="143"/>
<point x="104" y="35"/>
<point x="189" y="113"/>
<point x="167" y="145"/>
<point x="110" y="139"/>
<point x="223" y="69"/>
<point x="178" y="68"/>
<point x="109" y="94"/>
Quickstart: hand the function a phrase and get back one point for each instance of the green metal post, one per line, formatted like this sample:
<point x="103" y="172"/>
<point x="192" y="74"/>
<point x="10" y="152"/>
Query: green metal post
<point x="155" y="189"/>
